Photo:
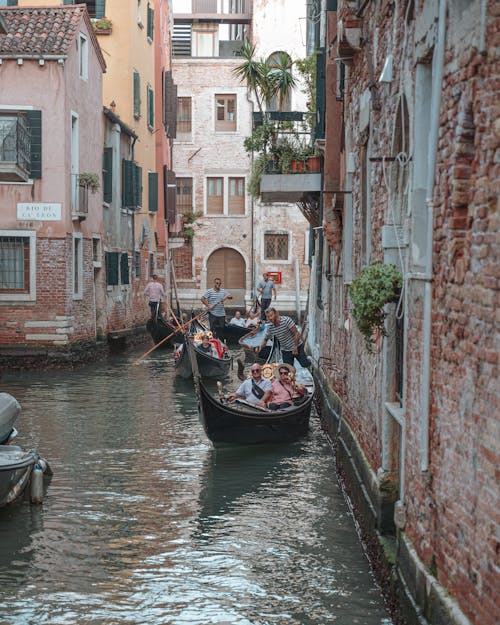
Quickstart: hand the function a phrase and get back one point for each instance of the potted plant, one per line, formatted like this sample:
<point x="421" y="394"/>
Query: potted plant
<point x="103" y="25"/>
<point x="374" y="287"/>
<point x="89" y="181"/>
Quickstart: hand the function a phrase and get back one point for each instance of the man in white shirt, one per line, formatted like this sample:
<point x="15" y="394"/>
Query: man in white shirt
<point x="255" y="390"/>
<point x="237" y="320"/>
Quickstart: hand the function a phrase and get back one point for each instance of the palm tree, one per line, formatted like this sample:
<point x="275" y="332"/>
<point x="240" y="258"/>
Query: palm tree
<point x="266" y="79"/>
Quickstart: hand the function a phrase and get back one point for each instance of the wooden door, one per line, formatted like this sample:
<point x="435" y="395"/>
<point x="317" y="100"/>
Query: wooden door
<point x="229" y="265"/>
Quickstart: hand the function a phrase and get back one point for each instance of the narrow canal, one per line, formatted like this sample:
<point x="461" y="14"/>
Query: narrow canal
<point x="145" y="523"/>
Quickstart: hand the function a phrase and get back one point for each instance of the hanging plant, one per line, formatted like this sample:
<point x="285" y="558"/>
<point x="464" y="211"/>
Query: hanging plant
<point x="90" y="181"/>
<point x="189" y="220"/>
<point x="374" y="287"/>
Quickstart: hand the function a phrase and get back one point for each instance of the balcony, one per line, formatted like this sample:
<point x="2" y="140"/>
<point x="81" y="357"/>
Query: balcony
<point x="289" y="169"/>
<point x="219" y="11"/>
<point x="15" y="148"/>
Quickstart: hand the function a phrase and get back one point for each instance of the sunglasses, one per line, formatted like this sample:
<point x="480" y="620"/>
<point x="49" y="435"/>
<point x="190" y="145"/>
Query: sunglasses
<point x="255" y="370"/>
<point x="284" y="372"/>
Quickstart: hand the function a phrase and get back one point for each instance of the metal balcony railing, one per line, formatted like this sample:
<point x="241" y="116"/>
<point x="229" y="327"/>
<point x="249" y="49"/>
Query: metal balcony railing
<point x="15" y="142"/>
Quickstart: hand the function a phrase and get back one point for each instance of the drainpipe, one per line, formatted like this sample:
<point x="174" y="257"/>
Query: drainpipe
<point x="431" y="175"/>
<point x="252" y="214"/>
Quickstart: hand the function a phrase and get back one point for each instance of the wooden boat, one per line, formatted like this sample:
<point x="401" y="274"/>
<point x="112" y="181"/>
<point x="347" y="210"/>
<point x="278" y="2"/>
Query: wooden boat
<point x="160" y="328"/>
<point x="234" y="333"/>
<point x="208" y="365"/>
<point x="242" y="422"/>
<point x="250" y="341"/>
<point x="18" y="468"/>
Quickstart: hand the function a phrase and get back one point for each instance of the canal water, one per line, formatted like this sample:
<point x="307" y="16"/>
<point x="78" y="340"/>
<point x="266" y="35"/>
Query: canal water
<point x="145" y="523"/>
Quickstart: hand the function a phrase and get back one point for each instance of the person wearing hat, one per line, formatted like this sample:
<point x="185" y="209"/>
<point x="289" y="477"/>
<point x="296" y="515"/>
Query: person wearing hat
<point x="285" y="391"/>
<point x="266" y="288"/>
<point x="256" y="390"/>
<point x="154" y="291"/>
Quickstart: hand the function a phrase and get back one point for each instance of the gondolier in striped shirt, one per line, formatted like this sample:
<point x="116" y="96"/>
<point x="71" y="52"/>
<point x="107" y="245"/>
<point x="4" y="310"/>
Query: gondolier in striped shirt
<point x="214" y="301"/>
<point x="285" y="330"/>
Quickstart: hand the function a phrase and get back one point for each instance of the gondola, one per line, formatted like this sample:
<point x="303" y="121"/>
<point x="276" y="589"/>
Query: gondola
<point x="250" y="341"/>
<point x="208" y="366"/>
<point x="160" y="328"/>
<point x="234" y="333"/>
<point x="244" y="423"/>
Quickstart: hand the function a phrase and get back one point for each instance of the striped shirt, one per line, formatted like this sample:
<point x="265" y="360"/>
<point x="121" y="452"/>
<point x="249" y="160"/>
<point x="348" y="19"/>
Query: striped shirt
<point x="215" y="297"/>
<point x="283" y="333"/>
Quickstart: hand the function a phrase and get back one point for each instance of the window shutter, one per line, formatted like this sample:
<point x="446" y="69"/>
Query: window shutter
<point x="128" y="184"/>
<point x="69" y="2"/>
<point x="153" y="192"/>
<point x="124" y="272"/>
<point x="107" y="175"/>
<point x="137" y="185"/>
<point x="170" y="106"/>
<point x="137" y="94"/>
<point x="170" y="195"/>
<point x="35" y="119"/>
<point x="151" y="108"/>
<point x="111" y="268"/>
<point x="100" y="9"/>
<point x="151" y="22"/>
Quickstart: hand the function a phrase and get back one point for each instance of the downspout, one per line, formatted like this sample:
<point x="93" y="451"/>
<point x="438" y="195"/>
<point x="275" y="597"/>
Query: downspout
<point x="252" y="213"/>
<point x="132" y="147"/>
<point x="431" y="175"/>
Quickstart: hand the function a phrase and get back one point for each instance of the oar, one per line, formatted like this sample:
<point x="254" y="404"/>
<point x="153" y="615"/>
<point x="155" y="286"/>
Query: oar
<point x="184" y="325"/>
<point x="175" y="318"/>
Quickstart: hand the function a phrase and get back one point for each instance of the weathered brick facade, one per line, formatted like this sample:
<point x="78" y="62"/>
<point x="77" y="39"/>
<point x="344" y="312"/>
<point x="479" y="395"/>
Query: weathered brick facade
<point x="423" y="430"/>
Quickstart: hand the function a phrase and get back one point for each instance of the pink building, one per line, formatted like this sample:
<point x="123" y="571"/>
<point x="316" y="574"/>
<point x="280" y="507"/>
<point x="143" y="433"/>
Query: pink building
<point x="51" y="70"/>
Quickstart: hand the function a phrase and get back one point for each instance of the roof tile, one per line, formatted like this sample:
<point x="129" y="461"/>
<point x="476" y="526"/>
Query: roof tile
<point x="44" y="31"/>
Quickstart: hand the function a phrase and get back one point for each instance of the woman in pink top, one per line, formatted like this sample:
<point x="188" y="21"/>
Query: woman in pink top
<point x="284" y="392"/>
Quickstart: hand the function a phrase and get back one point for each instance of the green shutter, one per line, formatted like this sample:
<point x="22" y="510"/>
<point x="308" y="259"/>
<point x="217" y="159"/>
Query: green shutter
<point x="100" y="8"/>
<point x="128" y="184"/>
<point x="107" y="175"/>
<point x="137" y="185"/>
<point x="151" y="108"/>
<point x="137" y="94"/>
<point x="111" y="268"/>
<point x="35" y="119"/>
<point x="69" y="2"/>
<point x="153" y="192"/>
<point x="151" y="22"/>
<point x="124" y="273"/>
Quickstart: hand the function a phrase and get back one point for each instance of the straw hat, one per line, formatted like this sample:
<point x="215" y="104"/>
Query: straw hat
<point x="284" y="365"/>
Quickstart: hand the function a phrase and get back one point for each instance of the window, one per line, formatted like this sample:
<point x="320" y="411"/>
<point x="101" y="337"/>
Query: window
<point x="137" y="94"/>
<point x="225" y="113"/>
<point x="111" y="268"/>
<point x="107" y="175"/>
<point x="236" y="201"/>
<point x="151" y="264"/>
<point x="8" y="3"/>
<point x="15" y="146"/>
<point x="137" y="264"/>
<point x="75" y="164"/>
<point x="153" y="192"/>
<point x="183" y="116"/>
<point x="124" y="269"/>
<point x="83" y="50"/>
<point x="77" y="266"/>
<point x="14" y="264"/>
<point x="131" y="184"/>
<point x="184" y="194"/>
<point x="204" y="42"/>
<point x="96" y="251"/>
<point x="276" y="246"/>
<point x="281" y="62"/>
<point x="139" y="14"/>
<point x="151" y="108"/>
<point x="151" y="22"/>
<point x="96" y="8"/>
<point x="215" y="196"/>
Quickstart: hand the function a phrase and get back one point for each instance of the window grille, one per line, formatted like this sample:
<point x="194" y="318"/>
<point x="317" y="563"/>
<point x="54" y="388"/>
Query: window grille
<point x="14" y="264"/>
<point x="276" y="246"/>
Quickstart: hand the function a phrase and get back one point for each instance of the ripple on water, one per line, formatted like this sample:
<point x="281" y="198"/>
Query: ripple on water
<point x="144" y="522"/>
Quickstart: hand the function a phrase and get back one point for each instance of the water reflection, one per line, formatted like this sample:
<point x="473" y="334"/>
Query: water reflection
<point x="144" y="522"/>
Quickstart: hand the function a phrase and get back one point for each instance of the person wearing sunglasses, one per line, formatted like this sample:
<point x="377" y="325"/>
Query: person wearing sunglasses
<point x="285" y="391"/>
<point x="255" y="390"/>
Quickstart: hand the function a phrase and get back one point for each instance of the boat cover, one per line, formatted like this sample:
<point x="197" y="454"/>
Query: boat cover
<point x="9" y="411"/>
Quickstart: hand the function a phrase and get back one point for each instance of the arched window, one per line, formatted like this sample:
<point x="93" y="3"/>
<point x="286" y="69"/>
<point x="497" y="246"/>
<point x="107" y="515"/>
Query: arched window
<point x="281" y="61"/>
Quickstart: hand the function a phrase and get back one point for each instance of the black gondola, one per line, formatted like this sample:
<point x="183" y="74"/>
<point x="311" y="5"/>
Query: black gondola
<point x="234" y="333"/>
<point x="208" y="366"/>
<point x="241" y="422"/>
<point x="160" y="328"/>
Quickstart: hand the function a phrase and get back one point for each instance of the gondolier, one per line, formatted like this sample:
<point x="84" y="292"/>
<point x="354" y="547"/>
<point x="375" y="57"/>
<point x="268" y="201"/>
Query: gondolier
<point x="285" y="330"/>
<point x="214" y="301"/>
<point x="266" y="288"/>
